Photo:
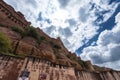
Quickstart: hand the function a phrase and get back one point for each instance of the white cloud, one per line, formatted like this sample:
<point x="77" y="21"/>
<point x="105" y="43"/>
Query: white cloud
<point x="107" y="51"/>
<point x="114" y="64"/>
<point x="83" y="12"/>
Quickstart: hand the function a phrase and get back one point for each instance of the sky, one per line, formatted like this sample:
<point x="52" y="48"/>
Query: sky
<point x="90" y="28"/>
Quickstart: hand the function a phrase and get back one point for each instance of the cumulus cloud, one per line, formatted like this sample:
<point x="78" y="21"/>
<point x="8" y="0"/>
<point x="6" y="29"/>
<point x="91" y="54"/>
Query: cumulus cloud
<point x="114" y="64"/>
<point x="63" y="3"/>
<point x="72" y="20"/>
<point x="40" y="17"/>
<point x="107" y="51"/>
<point x="66" y="32"/>
<point x="83" y="14"/>
<point x="50" y="29"/>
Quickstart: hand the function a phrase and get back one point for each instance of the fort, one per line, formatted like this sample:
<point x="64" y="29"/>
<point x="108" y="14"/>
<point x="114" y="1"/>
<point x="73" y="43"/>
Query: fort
<point x="49" y="60"/>
<point x="10" y="18"/>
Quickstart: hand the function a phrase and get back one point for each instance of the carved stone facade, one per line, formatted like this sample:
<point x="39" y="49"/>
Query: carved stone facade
<point x="45" y="70"/>
<point x="30" y="68"/>
<point x="10" y="67"/>
<point x="9" y="17"/>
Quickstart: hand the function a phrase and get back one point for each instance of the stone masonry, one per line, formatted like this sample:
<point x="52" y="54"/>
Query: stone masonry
<point x="30" y="68"/>
<point x="10" y="18"/>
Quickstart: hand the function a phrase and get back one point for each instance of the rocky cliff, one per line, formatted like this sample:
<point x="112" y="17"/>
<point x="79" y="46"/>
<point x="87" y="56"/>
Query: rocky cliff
<point x="36" y="56"/>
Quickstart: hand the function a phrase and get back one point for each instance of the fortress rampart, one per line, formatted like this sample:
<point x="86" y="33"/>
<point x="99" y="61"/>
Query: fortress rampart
<point x="9" y="17"/>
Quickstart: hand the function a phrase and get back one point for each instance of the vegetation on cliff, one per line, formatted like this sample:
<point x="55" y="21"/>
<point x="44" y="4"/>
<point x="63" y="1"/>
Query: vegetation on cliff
<point x="19" y="30"/>
<point x="4" y="43"/>
<point x="29" y="31"/>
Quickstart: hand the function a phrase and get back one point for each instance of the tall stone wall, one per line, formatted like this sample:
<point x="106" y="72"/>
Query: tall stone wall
<point x="40" y="68"/>
<point x="9" y="17"/>
<point x="12" y="68"/>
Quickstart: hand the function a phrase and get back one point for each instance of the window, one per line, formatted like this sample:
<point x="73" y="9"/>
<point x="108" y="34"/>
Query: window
<point x="15" y="21"/>
<point x="9" y="17"/>
<point x="3" y="10"/>
<point x="12" y="19"/>
<point x="7" y="13"/>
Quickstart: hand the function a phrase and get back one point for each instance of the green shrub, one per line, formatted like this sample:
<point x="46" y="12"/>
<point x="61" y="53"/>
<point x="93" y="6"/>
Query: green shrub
<point x="31" y="31"/>
<point x="13" y="55"/>
<point x="82" y="63"/>
<point x="57" y="46"/>
<point x="4" y="43"/>
<point x="17" y="29"/>
<point x="39" y="40"/>
<point x="42" y="38"/>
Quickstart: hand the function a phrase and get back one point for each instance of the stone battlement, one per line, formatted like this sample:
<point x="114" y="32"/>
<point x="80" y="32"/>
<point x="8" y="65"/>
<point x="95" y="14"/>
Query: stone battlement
<point x="9" y="17"/>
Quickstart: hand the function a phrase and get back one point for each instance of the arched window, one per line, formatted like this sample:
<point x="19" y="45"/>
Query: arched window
<point x="7" y="13"/>
<point x="3" y="10"/>
<point x="9" y="17"/>
<point x="12" y="19"/>
<point x="0" y="7"/>
<point x="15" y="20"/>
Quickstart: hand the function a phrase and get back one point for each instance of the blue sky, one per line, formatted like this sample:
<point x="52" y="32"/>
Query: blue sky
<point x="90" y="28"/>
<point x="109" y="24"/>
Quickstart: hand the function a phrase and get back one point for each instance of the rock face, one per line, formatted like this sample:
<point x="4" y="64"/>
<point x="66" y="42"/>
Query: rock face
<point x="47" y="60"/>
